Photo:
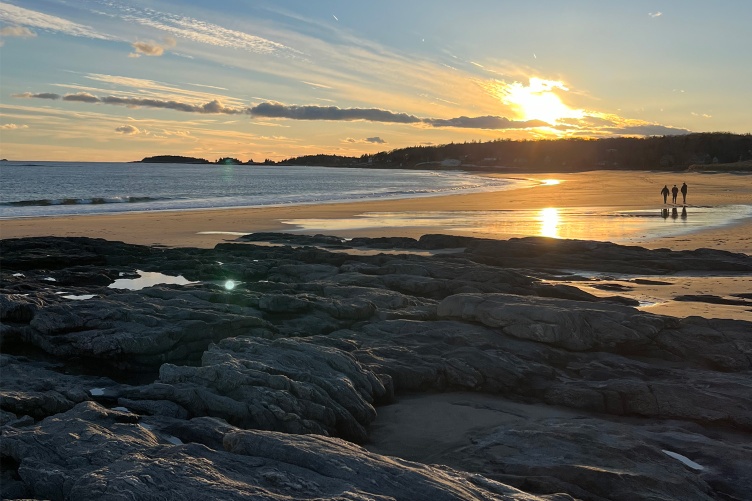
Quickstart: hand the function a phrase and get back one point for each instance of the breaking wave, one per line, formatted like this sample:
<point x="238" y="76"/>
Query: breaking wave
<point x="79" y="201"/>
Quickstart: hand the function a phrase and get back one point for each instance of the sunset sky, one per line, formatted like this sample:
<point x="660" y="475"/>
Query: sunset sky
<point x="117" y="80"/>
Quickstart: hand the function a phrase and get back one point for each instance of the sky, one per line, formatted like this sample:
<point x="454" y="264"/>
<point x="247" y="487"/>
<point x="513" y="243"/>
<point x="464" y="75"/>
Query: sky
<point x="119" y="80"/>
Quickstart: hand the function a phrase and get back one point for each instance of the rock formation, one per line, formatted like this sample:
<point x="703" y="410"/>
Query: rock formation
<point x="264" y="390"/>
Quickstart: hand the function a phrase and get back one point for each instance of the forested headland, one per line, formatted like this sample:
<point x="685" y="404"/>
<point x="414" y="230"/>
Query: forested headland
<point x="719" y="149"/>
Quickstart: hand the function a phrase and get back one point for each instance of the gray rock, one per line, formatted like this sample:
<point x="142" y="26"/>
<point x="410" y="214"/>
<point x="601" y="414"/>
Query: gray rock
<point x="313" y="342"/>
<point x="89" y="453"/>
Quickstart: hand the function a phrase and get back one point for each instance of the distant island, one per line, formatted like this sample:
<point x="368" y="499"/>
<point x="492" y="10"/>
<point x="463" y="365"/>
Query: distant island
<point x="173" y="159"/>
<point x="178" y="159"/>
<point x="708" y="150"/>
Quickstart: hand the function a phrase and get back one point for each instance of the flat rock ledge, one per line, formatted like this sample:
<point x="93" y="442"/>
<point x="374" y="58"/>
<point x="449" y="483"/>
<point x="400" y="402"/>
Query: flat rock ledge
<point x="262" y="376"/>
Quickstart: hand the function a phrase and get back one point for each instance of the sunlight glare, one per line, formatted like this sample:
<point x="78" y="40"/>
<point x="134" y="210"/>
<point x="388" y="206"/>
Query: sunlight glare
<point x="550" y="182"/>
<point x="229" y="285"/>
<point x="549" y="219"/>
<point x="539" y="101"/>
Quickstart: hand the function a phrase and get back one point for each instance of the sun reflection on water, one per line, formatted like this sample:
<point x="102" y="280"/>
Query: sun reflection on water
<point x="549" y="219"/>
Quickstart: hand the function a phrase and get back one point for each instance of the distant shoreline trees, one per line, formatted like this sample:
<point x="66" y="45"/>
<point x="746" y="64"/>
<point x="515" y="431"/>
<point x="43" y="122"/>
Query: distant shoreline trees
<point x="571" y="154"/>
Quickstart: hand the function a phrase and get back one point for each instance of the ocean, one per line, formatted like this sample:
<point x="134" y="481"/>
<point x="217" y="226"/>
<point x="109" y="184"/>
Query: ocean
<point x="72" y="188"/>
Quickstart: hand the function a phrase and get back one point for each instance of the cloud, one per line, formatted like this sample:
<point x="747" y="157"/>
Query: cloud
<point x="372" y="140"/>
<point x="607" y="124"/>
<point x="333" y="113"/>
<point x="13" y="126"/>
<point x="83" y="97"/>
<point x="15" y="31"/>
<point x="648" y="130"/>
<point x="655" y="14"/>
<point x="201" y="31"/>
<point x="214" y="106"/>
<point x="316" y="85"/>
<point x="151" y="48"/>
<point x="487" y="122"/>
<point x="294" y="112"/>
<point x="127" y="129"/>
<point x="41" y="95"/>
<point x="18" y="16"/>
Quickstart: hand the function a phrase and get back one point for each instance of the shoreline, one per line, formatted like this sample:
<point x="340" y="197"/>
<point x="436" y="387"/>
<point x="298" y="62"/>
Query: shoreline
<point x="594" y="191"/>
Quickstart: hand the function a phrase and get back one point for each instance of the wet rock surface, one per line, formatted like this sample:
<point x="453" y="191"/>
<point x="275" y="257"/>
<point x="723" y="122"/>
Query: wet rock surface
<point x="257" y="377"/>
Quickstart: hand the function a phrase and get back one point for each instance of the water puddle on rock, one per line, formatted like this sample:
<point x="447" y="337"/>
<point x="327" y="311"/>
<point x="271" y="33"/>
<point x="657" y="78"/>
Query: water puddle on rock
<point x="148" y="279"/>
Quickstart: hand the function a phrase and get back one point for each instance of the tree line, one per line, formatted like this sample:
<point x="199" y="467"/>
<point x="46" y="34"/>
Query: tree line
<point x="570" y="154"/>
<point x="658" y="152"/>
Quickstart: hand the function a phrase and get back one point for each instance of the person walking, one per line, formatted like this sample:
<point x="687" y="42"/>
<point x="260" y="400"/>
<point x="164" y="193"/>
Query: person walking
<point x="664" y="192"/>
<point x="684" y="193"/>
<point x="674" y="193"/>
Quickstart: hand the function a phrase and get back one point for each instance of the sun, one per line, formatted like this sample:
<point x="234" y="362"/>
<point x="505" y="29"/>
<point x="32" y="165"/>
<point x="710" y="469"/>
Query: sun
<point x="539" y="101"/>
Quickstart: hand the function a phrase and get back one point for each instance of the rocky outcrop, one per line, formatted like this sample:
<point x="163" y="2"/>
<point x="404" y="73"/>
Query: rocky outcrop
<point x="253" y="388"/>
<point x="91" y="453"/>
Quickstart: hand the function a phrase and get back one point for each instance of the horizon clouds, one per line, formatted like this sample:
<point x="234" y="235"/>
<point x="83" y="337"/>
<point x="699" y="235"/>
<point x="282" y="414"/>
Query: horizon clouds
<point x="297" y="112"/>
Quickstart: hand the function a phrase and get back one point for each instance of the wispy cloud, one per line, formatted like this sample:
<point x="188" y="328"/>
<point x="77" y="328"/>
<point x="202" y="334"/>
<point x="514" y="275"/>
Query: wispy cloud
<point x="207" y="86"/>
<point x="372" y="140"/>
<point x="152" y="48"/>
<point x="317" y="85"/>
<point x="201" y="31"/>
<point x="127" y="129"/>
<point x="19" y="16"/>
<point x="655" y="14"/>
<point x="13" y="126"/>
<point x="40" y="95"/>
<point x="15" y="31"/>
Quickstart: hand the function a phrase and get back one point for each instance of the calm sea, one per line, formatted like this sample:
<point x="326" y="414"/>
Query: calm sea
<point x="67" y="188"/>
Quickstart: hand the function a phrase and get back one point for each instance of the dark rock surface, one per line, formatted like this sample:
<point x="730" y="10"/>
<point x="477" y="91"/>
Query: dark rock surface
<point x="205" y="391"/>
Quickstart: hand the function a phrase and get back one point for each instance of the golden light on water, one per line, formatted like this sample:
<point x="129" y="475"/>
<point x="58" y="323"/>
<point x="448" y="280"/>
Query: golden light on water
<point x="549" y="219"/>
<point x="550" y="182"/>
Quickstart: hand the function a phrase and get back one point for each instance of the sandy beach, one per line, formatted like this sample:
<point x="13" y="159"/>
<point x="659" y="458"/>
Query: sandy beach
<point x="476" y="214"/>
<point x="576" y="205"/>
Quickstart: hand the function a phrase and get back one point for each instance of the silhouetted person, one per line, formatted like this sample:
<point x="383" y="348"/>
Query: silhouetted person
<point x="684" y="213"/>
<point x="674" y="193"/>
<point x="664" y="213"/>
<point x="664" y="192"/>
<point x="684" y="193"/>
<point x="674" y="213"/>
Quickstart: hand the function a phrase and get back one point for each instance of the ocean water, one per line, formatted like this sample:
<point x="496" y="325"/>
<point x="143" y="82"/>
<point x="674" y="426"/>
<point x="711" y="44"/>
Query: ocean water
<point x="70" y="188"/>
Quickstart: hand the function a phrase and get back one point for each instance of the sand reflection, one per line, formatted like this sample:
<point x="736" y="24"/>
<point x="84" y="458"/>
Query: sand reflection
<point x="591" y="223"/>
<point x="549" y="219"/>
